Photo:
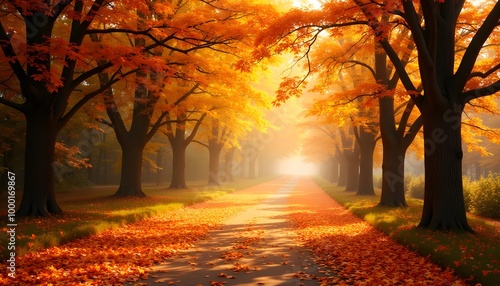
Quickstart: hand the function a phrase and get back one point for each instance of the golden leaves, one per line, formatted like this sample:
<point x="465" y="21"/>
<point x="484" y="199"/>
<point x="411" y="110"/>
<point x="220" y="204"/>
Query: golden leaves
<point x="289" y="87"/>
<point x="126" y="254"/>
<point x="357" y="252"/>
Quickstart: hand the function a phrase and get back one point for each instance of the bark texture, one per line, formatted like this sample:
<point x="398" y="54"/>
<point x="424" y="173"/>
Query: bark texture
<point x="444" y="206"/>
<point x="39" y="197"/>
<point x="366" y="141"/>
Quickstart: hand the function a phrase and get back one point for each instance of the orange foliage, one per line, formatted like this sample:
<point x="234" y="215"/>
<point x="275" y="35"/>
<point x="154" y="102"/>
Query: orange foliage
<point x="358" y="253"/>
<point x="126" y="254"/>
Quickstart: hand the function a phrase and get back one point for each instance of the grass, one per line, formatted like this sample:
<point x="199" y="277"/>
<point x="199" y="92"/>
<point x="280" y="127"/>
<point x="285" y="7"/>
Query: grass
<point x="474" y="257"/>
<point x="93" y="210"/>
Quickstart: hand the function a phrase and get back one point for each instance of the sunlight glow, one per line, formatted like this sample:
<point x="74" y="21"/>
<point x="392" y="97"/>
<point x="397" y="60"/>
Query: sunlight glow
<point x="310" y="4"/>
<point x="296" y="165"/>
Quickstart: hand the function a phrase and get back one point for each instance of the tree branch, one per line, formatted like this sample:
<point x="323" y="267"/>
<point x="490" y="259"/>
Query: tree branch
<point x="469" y="59"/>
<point x="412" y="132"/>
<point x="195" y="129"/>
<point x="481" y="92"/>
<point x="199" y="142"/>
<point x="16" y="106"/>
<point x="9" y="52"/>
<point x="104" y="121"/>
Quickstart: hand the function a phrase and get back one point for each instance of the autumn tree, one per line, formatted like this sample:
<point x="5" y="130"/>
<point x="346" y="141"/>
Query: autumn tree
<point x="152" y="106"/>
<point x="351" y="47"/>
<point x="227" y="127"/>
<point x="344" y="81"/>
<point x="453" y="74"/>
<point x="452" y="42"/>
<point x="49" y="58"/>
<point x="180" y="135"/>
<point x="323" y="138"/>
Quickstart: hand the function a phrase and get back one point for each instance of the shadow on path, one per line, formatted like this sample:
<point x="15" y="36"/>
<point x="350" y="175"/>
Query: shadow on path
<point x="257" y="247"/>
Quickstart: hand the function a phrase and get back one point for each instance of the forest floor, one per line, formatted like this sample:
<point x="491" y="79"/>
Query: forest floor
<point x="287" y="231"/>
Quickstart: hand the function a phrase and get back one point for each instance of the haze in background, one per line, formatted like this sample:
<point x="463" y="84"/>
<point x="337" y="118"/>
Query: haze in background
<point x="295" y="165"/>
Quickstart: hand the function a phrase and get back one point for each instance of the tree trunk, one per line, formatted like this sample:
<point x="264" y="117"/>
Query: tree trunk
<point x="443" y="200"/>
<point x="178" y="165"/>
<point x="7" y="163"/>
<point x="131" y="170"/>
<point x="393" y="189"/>
<point x="393" y="158"/>
<point x="39" y="180"/>
<point x="334" y="169"/>
<point x="228" y="164"/>
<point x="352" y="160"/>
<point x="367" y="148"/>
<point x="159" y="163"/>
<point x="213" y="164"/>
<point x="343" y="167"/>
<point x="252" y="164"/>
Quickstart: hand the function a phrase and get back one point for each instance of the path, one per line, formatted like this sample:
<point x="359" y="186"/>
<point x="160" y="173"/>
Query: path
<point x="257" y="247"/>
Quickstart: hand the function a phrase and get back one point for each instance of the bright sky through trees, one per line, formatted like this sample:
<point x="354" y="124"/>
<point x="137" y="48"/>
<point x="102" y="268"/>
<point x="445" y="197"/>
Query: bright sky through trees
<point x="314" y="4"/>
<point x="296" y="165"/>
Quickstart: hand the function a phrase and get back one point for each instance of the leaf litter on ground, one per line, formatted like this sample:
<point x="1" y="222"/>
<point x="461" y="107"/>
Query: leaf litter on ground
<point x="126" y="254"/>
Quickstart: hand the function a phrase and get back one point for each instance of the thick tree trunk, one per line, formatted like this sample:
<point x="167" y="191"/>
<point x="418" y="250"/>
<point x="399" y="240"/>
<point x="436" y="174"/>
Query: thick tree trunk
<point x="352" y="159"/>
<point x="393" y="158"/>
<point x="131" y="170"/>
<point x="393" y="189"/>
<point x="178" y="166"/>
<point x="39" y="181"/>
<point x="213" y="165"/>
<point x="367" y="148"/>
<point x="443" y="200"/>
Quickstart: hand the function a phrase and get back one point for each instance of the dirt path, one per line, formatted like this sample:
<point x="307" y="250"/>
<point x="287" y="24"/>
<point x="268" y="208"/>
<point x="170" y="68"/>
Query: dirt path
<point x="260" y="246"/>
<point x="243" y="238"/>
<point x="257" y="247"/>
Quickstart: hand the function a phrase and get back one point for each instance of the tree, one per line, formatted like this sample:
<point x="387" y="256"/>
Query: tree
<point x="231" y="123"/>
<point x="352" y="46"/>
<point x="452" y="43"/>
<point x="237" y="107"/>
<point x="322" y="139"/>
<point x="450" y="80"/>
<point x="180" y="59"/>
<point x="43" y="69"/>
<point x="180" y="137"/>
<point x="348" y="95"/>
<point x="49" y="61"/>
